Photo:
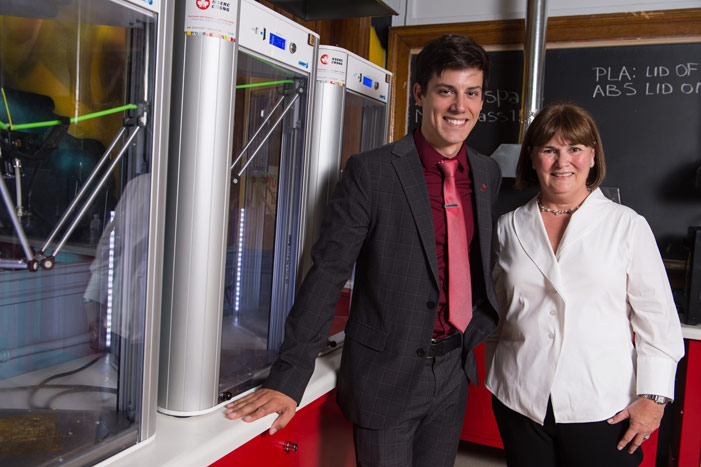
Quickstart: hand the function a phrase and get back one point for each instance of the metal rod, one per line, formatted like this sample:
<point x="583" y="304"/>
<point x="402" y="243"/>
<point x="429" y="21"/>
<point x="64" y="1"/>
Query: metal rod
<point x="12" y="264"/>
<point x="147" y="60"/>
<point x="270" y="132"/>
<point x="83" y="190"/>
<point x="533" y="62"/>
<point x="15" y="220"/>
<point x="18" y="186"/>
<point x="260" y="128"/>
<point x="95" y="192"/>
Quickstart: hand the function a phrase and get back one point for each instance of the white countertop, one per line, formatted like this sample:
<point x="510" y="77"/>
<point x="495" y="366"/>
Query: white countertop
<point x="204" y="439"/>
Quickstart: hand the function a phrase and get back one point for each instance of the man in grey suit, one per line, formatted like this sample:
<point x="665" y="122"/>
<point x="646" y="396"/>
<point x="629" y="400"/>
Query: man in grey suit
<point x="405" y="366"/>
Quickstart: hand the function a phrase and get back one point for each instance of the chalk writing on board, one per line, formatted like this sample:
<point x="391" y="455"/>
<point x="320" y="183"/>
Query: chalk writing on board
<point x="501" y="105"/>
<point x="648" y="80"/>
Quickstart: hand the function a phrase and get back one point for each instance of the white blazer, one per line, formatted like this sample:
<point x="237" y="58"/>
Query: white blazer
<point x="591" y="326"/>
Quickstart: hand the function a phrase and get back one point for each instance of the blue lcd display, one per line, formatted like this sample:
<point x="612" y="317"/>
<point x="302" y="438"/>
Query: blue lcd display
<point x="367" y="82"/>
<point x="277" y="41"/>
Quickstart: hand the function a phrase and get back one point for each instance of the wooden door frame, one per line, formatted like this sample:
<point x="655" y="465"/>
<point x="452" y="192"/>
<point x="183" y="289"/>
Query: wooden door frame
<point x="664" y="25"/>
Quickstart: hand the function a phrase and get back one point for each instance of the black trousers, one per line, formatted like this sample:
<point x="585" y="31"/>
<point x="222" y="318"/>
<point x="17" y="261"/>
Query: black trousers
<point x="528" y="444"/>
<point x="429" y="432"/>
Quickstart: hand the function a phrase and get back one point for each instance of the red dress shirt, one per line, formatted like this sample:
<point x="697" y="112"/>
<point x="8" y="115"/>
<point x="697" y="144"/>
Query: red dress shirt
<point x="434" y="182"/>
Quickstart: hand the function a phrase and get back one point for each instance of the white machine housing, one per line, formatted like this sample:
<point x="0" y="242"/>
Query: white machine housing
<point x="204" y="172"/>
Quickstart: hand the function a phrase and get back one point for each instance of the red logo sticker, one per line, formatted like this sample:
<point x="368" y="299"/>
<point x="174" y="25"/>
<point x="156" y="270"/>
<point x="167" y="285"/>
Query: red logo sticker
<point x="202" y="4"/>
<point x="324" y="59"/>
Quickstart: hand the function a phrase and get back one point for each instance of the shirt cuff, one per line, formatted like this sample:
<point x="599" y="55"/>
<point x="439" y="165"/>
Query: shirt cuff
<point x="656" y="376"/>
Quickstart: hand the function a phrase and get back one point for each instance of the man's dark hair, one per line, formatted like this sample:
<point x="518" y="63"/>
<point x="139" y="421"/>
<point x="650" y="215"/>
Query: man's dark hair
<point x="450" y="52"/>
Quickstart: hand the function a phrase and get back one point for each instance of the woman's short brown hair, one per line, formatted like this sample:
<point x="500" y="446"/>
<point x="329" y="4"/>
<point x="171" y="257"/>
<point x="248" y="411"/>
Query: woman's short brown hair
<point x="575" y="126"/>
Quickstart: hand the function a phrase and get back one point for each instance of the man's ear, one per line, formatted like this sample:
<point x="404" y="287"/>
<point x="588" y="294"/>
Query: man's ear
<point x="418" y="95"/>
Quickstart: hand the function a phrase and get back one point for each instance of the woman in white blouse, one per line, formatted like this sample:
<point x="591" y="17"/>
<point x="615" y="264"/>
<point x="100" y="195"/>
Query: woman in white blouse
<point x="583" y="362"/>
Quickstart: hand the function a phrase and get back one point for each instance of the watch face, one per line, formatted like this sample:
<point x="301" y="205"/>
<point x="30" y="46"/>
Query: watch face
<point x="657" y="399"/>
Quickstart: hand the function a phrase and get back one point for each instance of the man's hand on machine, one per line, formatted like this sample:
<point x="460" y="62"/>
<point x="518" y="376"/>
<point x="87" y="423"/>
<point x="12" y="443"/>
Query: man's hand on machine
<point x="261" y="403"/>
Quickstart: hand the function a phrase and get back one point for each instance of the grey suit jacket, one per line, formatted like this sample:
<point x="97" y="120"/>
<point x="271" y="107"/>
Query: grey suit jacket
<point x="379" y="219"/>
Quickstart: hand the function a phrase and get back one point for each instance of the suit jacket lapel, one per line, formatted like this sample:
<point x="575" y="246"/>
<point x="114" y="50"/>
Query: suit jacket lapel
<point x="483" y="205"/>
<point x="407" y="164"/>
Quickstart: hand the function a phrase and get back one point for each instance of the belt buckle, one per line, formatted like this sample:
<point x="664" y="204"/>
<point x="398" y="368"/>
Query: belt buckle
<point x="436" y="348"/>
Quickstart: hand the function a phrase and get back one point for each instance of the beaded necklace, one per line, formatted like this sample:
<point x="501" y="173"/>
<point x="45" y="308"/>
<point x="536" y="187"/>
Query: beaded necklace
<point x="556" y="211"/>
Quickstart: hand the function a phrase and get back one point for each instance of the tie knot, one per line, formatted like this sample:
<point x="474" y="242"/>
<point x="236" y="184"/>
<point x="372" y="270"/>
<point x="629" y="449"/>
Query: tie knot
<point x="448" y="167"/>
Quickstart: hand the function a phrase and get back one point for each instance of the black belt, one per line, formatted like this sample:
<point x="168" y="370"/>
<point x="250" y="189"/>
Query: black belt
<point x="442" y="346"/>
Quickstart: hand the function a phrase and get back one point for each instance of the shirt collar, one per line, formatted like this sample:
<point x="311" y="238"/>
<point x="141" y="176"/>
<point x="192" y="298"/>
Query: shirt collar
<point x="430" y="157"/>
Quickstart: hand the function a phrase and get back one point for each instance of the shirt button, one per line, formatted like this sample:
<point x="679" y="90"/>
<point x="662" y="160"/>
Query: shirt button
<point x="421" y="352"/>
<point x="430" y="305"/>
<point x="552" y="312"/>
<point x="551" y="335"/>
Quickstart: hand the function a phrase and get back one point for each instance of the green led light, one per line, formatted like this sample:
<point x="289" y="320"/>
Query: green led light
<point x="24" y="126"/>
<point x="267" y="83"/>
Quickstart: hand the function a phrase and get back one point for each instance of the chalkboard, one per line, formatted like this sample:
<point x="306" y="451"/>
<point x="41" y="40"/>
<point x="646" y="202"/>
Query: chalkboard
<point x="646" y="100"/>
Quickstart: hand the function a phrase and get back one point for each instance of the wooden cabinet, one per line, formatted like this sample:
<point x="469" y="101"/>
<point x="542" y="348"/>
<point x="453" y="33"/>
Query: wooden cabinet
<point x="686" y="437"/>
<point x="318" y="435"/>
<point x="480" y="426"/>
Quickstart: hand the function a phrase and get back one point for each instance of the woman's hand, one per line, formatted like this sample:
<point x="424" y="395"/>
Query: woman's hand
<point x="645" y="416"/>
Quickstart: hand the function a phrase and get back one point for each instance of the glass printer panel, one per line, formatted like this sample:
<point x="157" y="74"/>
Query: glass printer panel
<point x="364" y="122"/>
<point x="75" y="163"/>
<point x="263" y="217"/>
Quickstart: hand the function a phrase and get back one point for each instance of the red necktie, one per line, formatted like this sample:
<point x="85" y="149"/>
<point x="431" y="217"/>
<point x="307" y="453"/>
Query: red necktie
<point x="459" y="285"/>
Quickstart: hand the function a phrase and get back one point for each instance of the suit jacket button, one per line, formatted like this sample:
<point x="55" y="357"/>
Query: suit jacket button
<point x="421" y="352"/>
<point x="430" y="305"/>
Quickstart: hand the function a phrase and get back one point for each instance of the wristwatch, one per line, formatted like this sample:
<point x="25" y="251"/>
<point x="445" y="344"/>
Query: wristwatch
<point x="662" y="400"/>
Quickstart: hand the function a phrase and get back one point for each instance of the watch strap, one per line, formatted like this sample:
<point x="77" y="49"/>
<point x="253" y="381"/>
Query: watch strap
<point x="656" y="398"/>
